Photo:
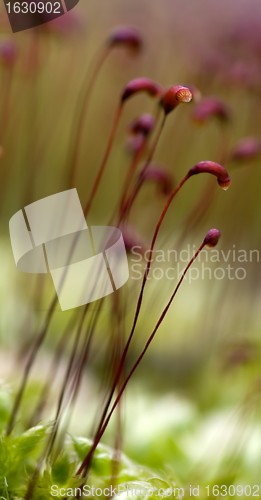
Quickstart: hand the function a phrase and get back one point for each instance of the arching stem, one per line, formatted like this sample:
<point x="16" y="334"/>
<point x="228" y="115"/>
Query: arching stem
<point x="129" y="202"/>
<point x="80" y="115"/>
<point x="105" y="159"/>
<point x="87" y="461"/>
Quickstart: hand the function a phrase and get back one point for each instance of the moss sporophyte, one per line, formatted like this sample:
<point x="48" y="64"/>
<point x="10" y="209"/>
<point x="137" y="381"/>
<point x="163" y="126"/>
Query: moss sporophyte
<point x="123" y="149"/>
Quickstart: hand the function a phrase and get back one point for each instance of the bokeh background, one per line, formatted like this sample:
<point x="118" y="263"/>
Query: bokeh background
<point x="192" y="409"/>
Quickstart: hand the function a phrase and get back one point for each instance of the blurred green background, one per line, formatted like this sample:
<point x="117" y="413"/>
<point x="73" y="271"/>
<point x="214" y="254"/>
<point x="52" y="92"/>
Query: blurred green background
<point x="196" y="396"/>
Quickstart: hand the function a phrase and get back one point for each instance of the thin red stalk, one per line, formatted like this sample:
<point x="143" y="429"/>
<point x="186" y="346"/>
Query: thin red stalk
<point x="131" y="172"/>
<point x="134" y="164"/>
<point x="33" y="116"/>
<point x="77" y="363"/>
<point x="29" y="364"/>
<point x="81" y="362"/>
<point x="118" y="314"/>
<point x="38" y="343"/>
<point x="151" y="154"/>
<point x="197" y="212"/>
<point x="129" y="202"/>
<point x="5" y="115"/>
<point x="50" y="443"/>
<point x="80" y="112"/>
<point x="147" y="270"/>
<point x="87" y="461"/>
<point x="5" y="104"/>
<point x="100" y="173"/>
<point x="156" y="232"/>
<point x="107" y="377"/>
<point x="138" y="307"/>
<point x="52" y="374"/>
<point x="36" y="296"/>
<point x="41" y="337"/>
<point x="66" y="380"/>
